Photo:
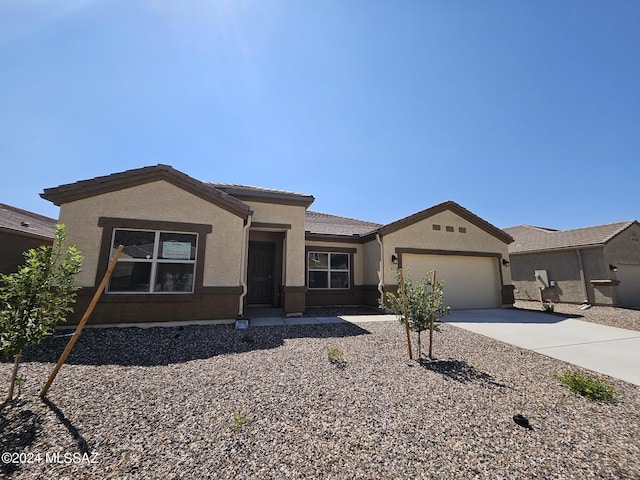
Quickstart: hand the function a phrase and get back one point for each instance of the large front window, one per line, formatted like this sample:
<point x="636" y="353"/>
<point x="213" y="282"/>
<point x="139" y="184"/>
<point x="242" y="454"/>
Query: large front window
<point x="328" y="270"/>
<point x="153" y="262"/>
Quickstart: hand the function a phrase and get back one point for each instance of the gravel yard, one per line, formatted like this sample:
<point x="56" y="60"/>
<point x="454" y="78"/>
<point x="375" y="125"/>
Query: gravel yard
<point x="211" y="402"/>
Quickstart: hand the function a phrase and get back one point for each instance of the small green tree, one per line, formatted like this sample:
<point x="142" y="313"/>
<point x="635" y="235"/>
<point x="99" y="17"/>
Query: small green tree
<point x="424" y="304"/>
<point x="37" y="297"/>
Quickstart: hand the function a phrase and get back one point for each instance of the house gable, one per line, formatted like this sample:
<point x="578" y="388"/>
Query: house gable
<point x="140" y="176"/>
<point x="156" y="202"/>
<point x="625" y="245"/>
<point x="442" y="207"/>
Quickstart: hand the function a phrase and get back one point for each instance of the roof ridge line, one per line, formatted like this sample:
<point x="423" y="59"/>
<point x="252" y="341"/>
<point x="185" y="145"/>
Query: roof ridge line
<point x="625" y="223"/>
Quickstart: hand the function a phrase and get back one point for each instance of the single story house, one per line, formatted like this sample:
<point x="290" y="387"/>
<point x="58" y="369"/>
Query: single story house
<point x="198" y="250"/>
<point x="597" y="265"/>
<point x="20" y="231"/>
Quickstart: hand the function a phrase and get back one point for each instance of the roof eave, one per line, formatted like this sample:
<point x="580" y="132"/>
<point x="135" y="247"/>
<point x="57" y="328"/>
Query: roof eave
<point x="457" y="209"/>
<point x="272" y="197"/>
<point x="555" y="249"/>
<point x="328" y="237"/>
<point x="22" y="233"/>
<point x="132" y="178"/>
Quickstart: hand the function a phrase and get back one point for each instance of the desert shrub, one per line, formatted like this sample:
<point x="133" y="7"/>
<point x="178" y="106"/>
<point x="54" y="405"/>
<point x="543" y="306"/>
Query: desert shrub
<point x="548" y="307"/>
<point x="336" y="357"/>
<point x="586" y="385"/>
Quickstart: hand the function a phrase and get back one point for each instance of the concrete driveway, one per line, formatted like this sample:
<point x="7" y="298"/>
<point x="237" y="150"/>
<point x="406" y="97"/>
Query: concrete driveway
<point x="609" y="350"/>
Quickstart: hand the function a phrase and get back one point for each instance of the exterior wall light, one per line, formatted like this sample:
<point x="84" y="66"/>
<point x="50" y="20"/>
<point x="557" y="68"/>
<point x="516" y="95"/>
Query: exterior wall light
<point x="505" y="262"/>
<point x="613" y="268"/>
<point x="394" y="259"/>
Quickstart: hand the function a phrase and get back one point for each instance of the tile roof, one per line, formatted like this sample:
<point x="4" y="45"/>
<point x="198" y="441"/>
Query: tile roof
<point x="26" y="223"/>
<point x="533" y="239"/>
<point x="325" y="224"/>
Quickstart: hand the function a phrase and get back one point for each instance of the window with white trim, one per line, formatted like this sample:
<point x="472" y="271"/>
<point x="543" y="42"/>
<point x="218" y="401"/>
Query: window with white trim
<point x="328" y="270"/>
<point x="153" y="262"/>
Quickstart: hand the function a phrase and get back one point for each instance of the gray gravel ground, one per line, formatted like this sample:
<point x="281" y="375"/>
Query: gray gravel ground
<point x="612" y="316"/>
<point x="160" y="404"/>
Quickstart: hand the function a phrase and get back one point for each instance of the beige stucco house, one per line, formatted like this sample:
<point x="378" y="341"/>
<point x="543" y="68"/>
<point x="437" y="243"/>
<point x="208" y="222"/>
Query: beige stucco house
<point x="599" y="265"/>
<point x="198" y="250"/>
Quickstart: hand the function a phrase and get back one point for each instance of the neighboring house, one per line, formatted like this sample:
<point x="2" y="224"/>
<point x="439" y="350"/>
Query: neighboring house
<point x="21" y="230"/>
<point x="197" y="250"/>
<point x="597" y="265"/>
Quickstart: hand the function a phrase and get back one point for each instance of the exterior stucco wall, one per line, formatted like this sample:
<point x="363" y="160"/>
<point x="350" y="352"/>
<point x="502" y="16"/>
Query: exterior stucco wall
<point x="562" y="267"/>
<point x="160" y="201"/>
<point x="595" y="269"/>
<point x="624" y="247"/>
<point x="623" y="251"/>
<point x="371" y="271"/>
<point x="421" y="235"/>
<point x="272" y="213"/>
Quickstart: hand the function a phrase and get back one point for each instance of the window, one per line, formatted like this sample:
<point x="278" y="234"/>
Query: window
<point x="153" y="262"/>
<point x="328" y="270"/>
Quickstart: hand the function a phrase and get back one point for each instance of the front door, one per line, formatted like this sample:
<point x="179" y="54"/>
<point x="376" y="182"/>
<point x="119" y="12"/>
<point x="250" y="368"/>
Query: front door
<point x="260" y="271"/>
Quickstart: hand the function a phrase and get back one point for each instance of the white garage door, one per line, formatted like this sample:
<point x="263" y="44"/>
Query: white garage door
<point x="471" y="282"/>
<point x="629" y="288"/>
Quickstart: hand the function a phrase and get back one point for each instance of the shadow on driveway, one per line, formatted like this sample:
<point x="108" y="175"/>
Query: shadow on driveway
<point x="507" y="315"/>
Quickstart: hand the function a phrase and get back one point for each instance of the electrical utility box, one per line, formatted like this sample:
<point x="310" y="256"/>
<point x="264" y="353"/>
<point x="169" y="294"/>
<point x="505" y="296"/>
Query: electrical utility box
<point x="542" y="279"/>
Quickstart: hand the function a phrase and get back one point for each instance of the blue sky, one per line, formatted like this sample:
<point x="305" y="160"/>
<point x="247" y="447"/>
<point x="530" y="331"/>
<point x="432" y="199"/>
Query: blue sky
<point x="522" y="112"/>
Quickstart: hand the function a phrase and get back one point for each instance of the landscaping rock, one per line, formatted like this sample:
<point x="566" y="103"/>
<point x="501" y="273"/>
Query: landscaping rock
<point x="201" y="402"/>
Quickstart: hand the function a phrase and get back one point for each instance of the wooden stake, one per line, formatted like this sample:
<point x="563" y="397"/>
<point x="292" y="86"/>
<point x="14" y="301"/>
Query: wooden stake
<point x="83" y="321"/>
<point x="406" y="315"/>
<point x="433" y="293"/>
<point x="14" y="374"/>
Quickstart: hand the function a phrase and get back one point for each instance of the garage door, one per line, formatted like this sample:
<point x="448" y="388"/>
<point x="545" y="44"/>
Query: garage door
<point x="471" y="282"/>
<point x="629" y="288"/>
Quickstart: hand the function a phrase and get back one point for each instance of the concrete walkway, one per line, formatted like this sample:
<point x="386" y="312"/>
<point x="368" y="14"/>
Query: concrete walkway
<point x="609" y="350"/>
<point x="275" y="321"/>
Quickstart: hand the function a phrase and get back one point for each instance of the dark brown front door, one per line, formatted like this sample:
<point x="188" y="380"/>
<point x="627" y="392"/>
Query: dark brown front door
<point x="260" y="272"/>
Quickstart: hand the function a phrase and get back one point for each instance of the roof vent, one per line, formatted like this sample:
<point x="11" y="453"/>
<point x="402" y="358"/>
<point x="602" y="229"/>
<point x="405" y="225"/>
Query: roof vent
<point x="25" y="224"/>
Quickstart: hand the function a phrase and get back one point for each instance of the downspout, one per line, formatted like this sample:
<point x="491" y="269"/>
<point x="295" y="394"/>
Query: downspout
<point x="381" y="272"/>
<point x="585" y="292"/>
<point x="243" y="264"/>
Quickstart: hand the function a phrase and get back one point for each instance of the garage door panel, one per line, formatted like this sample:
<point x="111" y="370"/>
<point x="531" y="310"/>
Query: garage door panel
<point x="470" y="282"/>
